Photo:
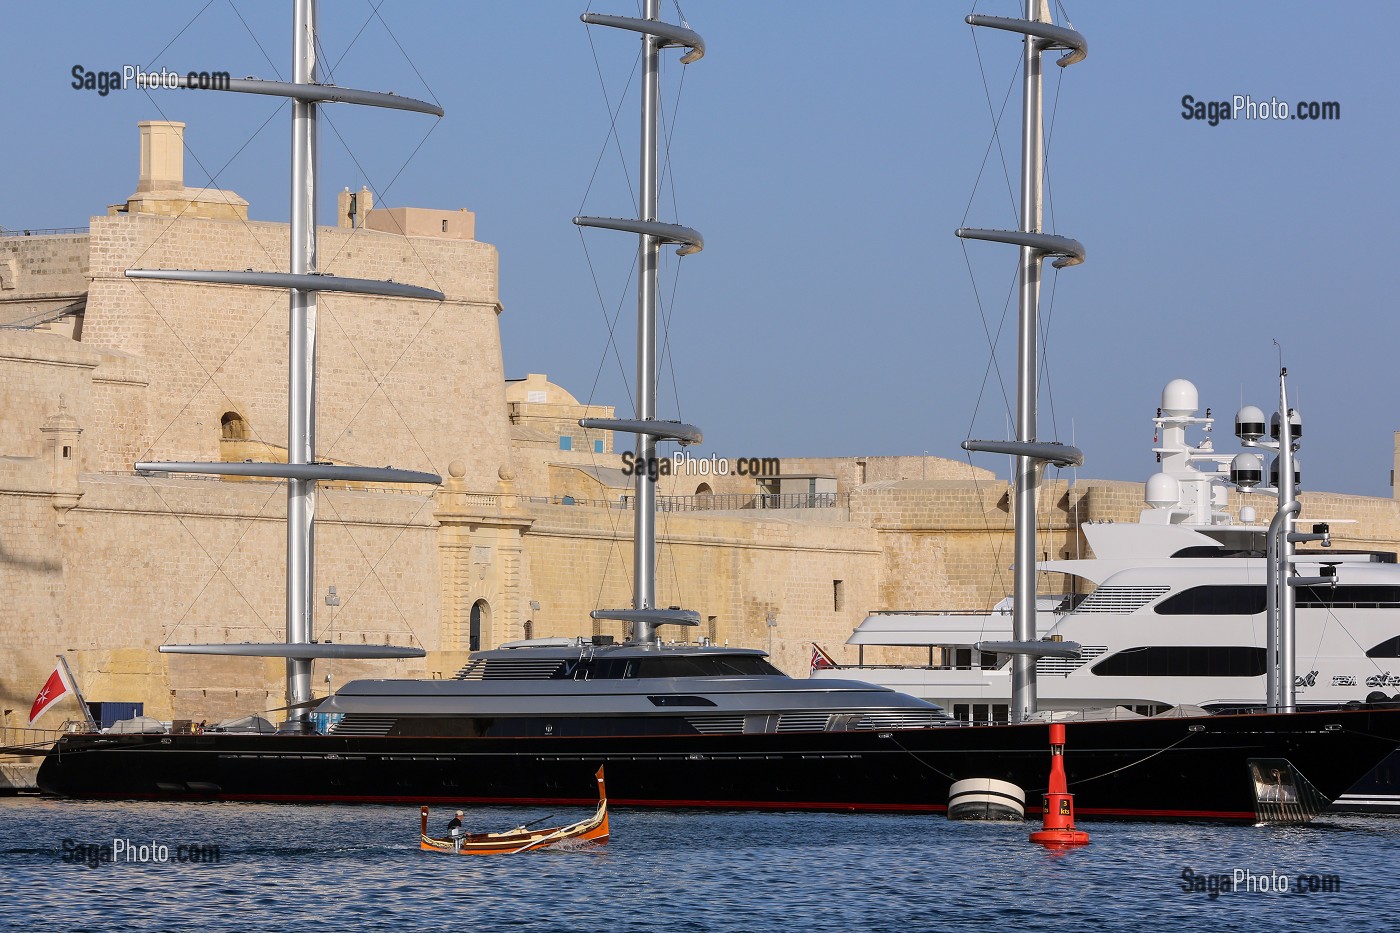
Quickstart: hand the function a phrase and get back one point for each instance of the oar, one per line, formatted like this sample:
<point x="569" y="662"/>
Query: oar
<point x="542" y="840"/>
<point x="533" y="823"/>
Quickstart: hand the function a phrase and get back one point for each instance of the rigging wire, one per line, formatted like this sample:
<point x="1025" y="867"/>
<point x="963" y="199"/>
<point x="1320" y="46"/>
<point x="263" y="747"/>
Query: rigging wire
<point x="373" y="571"/>
<point x="210" y="376"/>
<point x="254" y="37"/>
<point x="373" y="12"/>
<point x="150" y="64"/>
<point x="1047" y="313"/>
<point x="996" y="121"/>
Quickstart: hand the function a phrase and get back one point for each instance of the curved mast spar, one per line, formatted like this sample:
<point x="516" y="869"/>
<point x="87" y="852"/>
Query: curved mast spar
<point x="1040" y="36"/>
<point x="645" y="615"/>
<point x="302" y="470"/>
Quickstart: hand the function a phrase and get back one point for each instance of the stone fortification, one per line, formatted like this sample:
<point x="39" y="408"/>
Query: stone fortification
<point x="528" y="533"/>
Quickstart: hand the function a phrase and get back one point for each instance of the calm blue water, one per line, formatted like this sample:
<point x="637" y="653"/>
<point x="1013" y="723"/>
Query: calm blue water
<point x="332" y="868"/>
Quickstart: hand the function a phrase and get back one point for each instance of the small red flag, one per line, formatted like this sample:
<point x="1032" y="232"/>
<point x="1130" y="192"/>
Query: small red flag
<point x="821" y="661"/>
<point x="55" y="688"/>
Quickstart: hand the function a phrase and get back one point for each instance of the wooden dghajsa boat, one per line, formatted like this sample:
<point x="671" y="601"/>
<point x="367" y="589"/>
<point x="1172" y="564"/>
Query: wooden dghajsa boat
<point x="521" y="839"/>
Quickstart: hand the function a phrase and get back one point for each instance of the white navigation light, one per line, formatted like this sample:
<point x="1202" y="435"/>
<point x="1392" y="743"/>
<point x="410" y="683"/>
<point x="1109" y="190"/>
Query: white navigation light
<point x="1162" y="491"/>
<point x="1247" y="470"/>
<point x="1249" y="423"/>
<point x="1180" y="399"/>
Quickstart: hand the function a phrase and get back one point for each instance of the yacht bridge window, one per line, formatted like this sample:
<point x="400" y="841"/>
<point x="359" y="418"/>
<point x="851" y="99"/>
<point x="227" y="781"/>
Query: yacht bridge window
<point x="1231" y="600"/>
<point x="678" y="666"/>
<point x="1184" y="661"/>
<point x="1250" y="600"/>
<point x="1348" y="597"/>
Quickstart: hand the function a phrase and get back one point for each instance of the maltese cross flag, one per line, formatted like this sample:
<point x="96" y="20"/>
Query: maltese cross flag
<point x="55" y="688"/>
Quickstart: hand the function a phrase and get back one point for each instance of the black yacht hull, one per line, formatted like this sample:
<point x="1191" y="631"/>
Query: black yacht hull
<point x="1145" y="769"/>
<point x="1377" y="792"/>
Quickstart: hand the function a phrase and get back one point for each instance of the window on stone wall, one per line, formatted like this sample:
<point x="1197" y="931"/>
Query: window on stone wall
<point x="233" y="427"/>
<point x="478" y="625"/>
<point x="529" y="629"/>
<point x="838" y="596"/>
<point x="597" y="446"/>
<point x="566" y="442"/>
<point x="712" y="629"/>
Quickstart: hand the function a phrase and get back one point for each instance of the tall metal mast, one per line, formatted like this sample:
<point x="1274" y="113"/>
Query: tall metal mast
<point x="301" y="470"/>
<point x="645" y="615"/>
<point x="1040" y="36"/>
<point x="301" y="378"/>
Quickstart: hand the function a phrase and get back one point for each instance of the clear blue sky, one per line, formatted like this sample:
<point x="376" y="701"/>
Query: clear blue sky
<point x="827" y="151"/>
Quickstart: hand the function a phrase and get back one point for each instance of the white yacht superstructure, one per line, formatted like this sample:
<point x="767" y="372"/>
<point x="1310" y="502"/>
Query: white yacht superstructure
<point x="1169" y="611"/>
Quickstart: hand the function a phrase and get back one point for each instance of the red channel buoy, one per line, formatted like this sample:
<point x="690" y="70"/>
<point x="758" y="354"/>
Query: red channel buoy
<point x="1058" y="830"/>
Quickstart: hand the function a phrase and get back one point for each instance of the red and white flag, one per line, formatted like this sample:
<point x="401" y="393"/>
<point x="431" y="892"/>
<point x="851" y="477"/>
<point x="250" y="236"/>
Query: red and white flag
<point x="55" y="688"/>
<point x="821" y="661"/>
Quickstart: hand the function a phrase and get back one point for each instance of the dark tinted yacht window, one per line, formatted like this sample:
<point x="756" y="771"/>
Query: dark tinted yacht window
<point x="1183" y="661"/>
<point x="674" y="666"/>
<point x="1214" y="601"/>
<point x="1390" y="648"/>
<point x="700" y="666"/>
<point x="1349" y="597"/>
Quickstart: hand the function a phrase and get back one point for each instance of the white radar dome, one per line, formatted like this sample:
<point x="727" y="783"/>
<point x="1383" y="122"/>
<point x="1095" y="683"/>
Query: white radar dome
<point x="1249" y="423"/>
<point x="1163" y="491"/>
<point x="1248" y="515"/>
<point x="1295" y="422"/>
<point x="1180" y="398"/>
<point x="1247" y="470"/>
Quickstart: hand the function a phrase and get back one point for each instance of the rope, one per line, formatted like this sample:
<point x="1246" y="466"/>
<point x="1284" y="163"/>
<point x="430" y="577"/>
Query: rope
<point x="1134" y="764"/>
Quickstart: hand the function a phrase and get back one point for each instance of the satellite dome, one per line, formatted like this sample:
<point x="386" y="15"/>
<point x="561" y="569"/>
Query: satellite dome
<point x="1297" y="473"/>
<point x="1163" y="491"/>
<point x="1249" y="423"/>
<point x="1294" y="419"/>
<point x="1247" y="470"/>
<point x="1180" y="398"/>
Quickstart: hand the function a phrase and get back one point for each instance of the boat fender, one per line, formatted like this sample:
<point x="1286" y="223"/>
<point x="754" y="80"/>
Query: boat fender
<point x="986" y="799"/>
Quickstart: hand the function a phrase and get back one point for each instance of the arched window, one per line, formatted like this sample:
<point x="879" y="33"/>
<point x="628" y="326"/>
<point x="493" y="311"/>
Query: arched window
<point x="529" y="629"/>
<point x="480" y="621"/>
<point x="703" y="489"/>
<point x="233" y="427"/>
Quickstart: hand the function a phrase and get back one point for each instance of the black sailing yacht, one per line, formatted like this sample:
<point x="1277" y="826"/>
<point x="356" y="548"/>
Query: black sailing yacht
<point x="683" y="725"/>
